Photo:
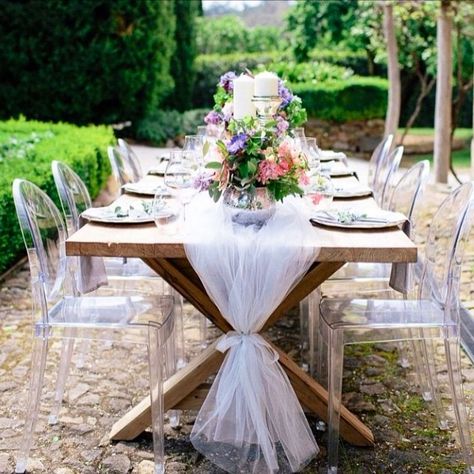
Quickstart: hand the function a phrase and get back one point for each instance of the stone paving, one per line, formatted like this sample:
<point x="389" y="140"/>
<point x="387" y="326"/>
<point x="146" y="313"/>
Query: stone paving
<point x="376" y="388"/>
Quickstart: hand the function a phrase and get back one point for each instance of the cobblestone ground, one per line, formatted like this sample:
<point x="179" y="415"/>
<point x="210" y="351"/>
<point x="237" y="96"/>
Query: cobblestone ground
<point x="115" y="377"/>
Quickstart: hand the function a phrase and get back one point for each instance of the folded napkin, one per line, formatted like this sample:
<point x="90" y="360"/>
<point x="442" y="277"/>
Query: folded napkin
<point x="91" y="271"/>
<point x="401" y="278"/>
<point x="330" y="154"/>
<point x="349" y="216"/>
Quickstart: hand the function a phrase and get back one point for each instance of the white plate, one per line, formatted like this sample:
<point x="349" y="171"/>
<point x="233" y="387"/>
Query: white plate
<point x="338" y="173"/>
<point x="145" y="189"/>
<point x="106" y="215"/>
<point x="393" y="219"/>
<point x="352" y="192"/>
<point x="159" y="170"/>
<point x="329" y="155"/>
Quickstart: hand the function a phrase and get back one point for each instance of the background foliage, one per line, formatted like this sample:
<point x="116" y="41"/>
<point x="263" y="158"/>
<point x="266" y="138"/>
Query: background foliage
<point x="85" y="61"/>
<point x="33" y="146"/>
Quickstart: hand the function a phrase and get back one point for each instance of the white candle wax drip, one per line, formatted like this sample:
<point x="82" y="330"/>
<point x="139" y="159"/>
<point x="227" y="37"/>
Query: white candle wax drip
<point x="243" y="93"/>
<point x="266" y="84"/>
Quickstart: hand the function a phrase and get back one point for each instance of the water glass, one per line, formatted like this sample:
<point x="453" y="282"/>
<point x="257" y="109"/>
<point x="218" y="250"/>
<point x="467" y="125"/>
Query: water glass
<point x="194" y="144"/>
<point x="319" y="192"/>
<point x="166" y="212"/>
<point x="299" y="137"/>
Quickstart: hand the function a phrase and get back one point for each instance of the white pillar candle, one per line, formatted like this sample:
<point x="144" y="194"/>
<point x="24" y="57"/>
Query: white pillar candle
<point x="243" y="93"/>
<point x="266" y="84"/>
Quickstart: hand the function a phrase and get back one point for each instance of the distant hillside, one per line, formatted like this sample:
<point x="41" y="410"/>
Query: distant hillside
<point x="268" y="13"/>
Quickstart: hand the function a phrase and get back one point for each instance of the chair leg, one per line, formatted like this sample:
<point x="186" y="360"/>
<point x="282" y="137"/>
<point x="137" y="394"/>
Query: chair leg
<point x="335" y="368"/>
<point x="313" y="333"/>
<point x="156" y="358"/>
<point x="453" y="359"/>
<point x="304" y="331"/>
<point x="171" y="366"/>
<point x="63" y="372"/>
<point x="38" y="365"/>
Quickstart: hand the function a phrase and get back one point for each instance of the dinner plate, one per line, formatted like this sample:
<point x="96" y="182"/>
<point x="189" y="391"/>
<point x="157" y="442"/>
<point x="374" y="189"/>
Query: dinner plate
<point x="329" y="155"/>
<point x="107" y="215"/>
<point x="145" y="189"/>
<point x="381" y="220"/>
<point x="160" y="170"/>
<point x="352" y="192"/>
<point x="339" y="172"/>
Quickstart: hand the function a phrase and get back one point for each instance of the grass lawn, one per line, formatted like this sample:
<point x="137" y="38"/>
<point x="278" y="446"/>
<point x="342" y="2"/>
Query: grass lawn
<point x="465" y="133"/>
<point x="461" y="158"/>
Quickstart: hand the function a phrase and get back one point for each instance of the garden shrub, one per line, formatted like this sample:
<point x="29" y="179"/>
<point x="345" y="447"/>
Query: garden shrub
<point x="27" y="149"/>
<point x="163" y="125"/>
<point x="357" y="98"/>
<point x="85" y="61"/>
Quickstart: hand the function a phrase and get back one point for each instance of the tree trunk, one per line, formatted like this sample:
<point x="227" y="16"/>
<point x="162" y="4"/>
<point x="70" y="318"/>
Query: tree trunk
<point x="442" y="141"/>
<point x="394" y="91"/>
<point x="472" y="140"/>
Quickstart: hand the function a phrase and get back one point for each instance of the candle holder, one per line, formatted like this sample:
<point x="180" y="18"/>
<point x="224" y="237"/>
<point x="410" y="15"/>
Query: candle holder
<point x="267" y="107"/>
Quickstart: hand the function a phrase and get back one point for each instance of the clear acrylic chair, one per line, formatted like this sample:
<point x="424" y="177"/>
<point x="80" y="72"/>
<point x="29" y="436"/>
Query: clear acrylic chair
<point x="131" y="159"/>
<point x="386" y="177"/>
<point x="123" y="273"/>
<point x="368" y="276"/>
<point x="121" y="171"/>
<point x="58" y="310"/>
<point x="433" y="316"/>
<point x="378" y="156"/>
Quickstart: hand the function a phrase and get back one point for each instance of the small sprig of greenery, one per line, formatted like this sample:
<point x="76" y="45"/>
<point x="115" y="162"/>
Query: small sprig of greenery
<point x="120" y="211"/>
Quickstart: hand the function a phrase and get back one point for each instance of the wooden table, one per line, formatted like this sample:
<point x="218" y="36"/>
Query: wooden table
<point x="165" y="254"/>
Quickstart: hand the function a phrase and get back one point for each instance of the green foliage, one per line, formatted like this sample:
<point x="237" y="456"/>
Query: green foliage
<point x="85" y="61"/>
<point x="357" y="98"/>
<point x="312" y="23"/>
<point x="182" y="61"/>
<point x="163" y="125"/>
<point x="38" y="144"/>
<point x="228" y="34"/>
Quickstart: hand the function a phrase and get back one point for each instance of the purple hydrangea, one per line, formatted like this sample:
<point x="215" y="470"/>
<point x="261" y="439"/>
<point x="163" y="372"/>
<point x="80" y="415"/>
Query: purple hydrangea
<point x="226" y="81"/>
<point x="282" y="125"/>
<point x="213" y="118"/>
<point x="203" y="180"/>
<point x="237" y="143"/>
<point x="285" y="95"/>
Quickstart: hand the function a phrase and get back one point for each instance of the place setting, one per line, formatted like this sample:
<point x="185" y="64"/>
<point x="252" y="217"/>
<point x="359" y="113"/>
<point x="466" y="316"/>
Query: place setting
<point x="136" y="212"/>
<point x="357" y="219"/>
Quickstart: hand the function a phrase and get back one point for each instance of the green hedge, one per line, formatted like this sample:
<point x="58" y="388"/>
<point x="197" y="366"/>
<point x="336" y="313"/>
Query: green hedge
<point x="356" y="98"/>
<point x="85" y="61"/>
<point x="27" y="149"/>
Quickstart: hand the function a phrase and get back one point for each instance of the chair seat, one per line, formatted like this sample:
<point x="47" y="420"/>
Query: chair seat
<point x="131" y="267"/>
<point x="105" y="311"/>
<point x="384" y="313"/>
<point x="355" y="271"/>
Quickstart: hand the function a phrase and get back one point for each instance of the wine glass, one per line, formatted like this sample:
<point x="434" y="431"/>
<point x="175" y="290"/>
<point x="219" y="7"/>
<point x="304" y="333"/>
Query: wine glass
<point x="201" y="131"/>
<point x="179" y="176"/>
<point x="312" y="153"/>
<point x="319" y="192"/>
<point x="299" y="138"/>
<point x="194" y="144"/>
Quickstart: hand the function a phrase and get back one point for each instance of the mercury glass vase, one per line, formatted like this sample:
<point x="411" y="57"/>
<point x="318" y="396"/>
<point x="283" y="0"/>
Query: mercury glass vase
<point x="250" y="206"/>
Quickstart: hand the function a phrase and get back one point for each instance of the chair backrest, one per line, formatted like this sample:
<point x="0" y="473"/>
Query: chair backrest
<point x="409" y="190"/>
<point x="383" y="185"/>
<point x="444" y="252"/>
<point x="73" y="194"/>
<point x="44" y="235"/>
<point x="120" y="170"/>
<point x="378" y="156"/>
<point x="131" y="159"/>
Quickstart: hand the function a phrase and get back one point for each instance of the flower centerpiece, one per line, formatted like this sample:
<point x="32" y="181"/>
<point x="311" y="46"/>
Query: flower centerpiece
<point x="254" y="162"/>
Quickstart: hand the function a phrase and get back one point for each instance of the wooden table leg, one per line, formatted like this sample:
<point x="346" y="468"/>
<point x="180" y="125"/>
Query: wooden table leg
<point x="176" y="389"/>
<point x="185" y="387"/>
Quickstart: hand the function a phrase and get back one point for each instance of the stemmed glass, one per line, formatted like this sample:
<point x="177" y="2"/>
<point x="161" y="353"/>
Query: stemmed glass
<point x="180" y="174"/>
<point x="312" y="153"/>
<point x="299" y="138"/>
<point x="194" y="144"/>
<point x="319" y="192"/>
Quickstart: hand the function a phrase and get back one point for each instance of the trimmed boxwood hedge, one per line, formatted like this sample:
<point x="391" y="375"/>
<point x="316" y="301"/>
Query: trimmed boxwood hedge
<point x="27" y="149"/>
<point x="356" y="98"/>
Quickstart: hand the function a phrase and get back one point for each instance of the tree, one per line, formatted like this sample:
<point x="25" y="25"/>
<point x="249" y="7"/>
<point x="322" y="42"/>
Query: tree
<point x="313" y="22"/>
<point x="394" y="92"/>
<point x="182" y="62"/>
<point x="442" y="143"/>
<point x="85" y="61"/>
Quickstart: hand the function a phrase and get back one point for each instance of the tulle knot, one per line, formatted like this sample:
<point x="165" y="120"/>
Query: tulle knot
<point x="234" y="338"/>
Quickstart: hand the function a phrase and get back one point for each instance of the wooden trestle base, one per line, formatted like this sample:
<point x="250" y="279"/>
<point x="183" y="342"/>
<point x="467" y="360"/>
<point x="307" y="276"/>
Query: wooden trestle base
<point x="187" y="388"/>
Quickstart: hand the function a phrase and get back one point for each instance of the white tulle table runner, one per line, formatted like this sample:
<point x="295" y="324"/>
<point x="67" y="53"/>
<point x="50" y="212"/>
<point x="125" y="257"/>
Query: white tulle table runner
<point x="251" y="420"/>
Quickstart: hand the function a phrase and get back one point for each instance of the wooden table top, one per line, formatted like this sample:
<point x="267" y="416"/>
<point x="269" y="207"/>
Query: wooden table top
<point x="331" y="244"/>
